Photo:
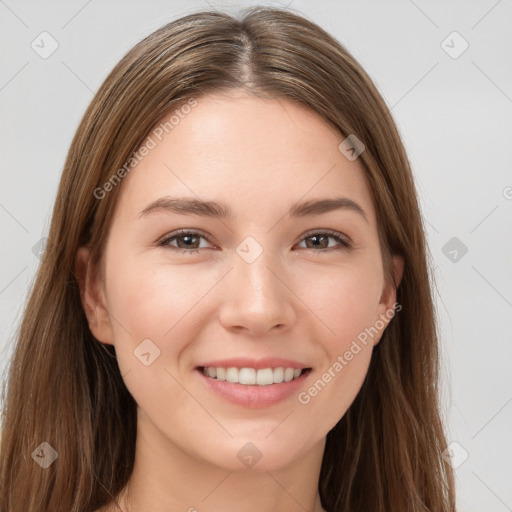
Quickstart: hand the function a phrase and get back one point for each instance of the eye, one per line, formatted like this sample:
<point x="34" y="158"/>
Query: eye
<point x="187" y="241"/>
<point x="321" y="240"/>
<point x="190" y="240"/>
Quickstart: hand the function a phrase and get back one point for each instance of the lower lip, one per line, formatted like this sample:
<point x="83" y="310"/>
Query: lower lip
<point x="254" y="396"/>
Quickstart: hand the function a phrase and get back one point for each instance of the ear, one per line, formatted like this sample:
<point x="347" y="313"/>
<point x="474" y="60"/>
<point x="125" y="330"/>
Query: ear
<point x="387" y="308"/>
<point x="92" y="297"/>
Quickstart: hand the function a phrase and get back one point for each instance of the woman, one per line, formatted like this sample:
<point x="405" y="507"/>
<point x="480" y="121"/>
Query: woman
<point x="233" y="310"/>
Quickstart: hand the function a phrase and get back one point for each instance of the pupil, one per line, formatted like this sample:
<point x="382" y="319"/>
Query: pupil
<point x="317" y="237"/>
<point x="187" y="239"/>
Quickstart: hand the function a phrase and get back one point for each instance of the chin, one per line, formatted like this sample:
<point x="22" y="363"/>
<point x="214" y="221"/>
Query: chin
<point x="257" y="455"/>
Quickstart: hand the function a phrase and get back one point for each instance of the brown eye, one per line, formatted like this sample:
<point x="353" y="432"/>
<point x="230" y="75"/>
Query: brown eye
<point x="187" y="241"/>
<point x="320" y="241"/>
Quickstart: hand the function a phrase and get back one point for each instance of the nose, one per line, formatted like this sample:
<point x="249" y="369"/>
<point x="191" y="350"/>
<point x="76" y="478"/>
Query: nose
<point x="256" y="297"/>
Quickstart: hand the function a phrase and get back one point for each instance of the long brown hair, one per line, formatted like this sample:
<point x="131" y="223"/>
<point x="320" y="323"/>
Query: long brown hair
<point x="64" y="387"/>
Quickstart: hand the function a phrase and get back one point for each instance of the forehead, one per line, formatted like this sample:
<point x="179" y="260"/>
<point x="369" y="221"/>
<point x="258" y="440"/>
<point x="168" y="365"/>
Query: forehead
<point x="257" y="155"/>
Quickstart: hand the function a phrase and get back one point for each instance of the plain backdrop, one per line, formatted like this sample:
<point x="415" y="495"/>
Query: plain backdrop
<point x="445" y="70"/>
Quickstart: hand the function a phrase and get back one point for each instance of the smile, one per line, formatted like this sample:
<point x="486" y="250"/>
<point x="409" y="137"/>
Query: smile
<point x="252" y="376"/>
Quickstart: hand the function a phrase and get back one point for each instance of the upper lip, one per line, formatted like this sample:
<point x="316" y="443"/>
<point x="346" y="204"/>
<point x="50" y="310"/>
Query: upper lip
<point x="245" y="362"/>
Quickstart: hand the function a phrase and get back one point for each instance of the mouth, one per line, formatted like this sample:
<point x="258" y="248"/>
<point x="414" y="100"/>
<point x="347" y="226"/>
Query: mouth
<point x="248" y="376"/>
<point x="253" y="382"/>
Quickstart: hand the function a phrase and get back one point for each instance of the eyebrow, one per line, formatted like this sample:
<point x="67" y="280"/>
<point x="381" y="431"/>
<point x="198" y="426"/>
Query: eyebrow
<point x="192" y="206"/>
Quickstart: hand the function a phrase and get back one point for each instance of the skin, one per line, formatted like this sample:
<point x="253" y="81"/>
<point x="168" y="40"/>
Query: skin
<point x="259" y="156"/>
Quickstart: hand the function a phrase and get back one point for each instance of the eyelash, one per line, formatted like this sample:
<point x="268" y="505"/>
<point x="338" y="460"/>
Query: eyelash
<point x="331" y="234"/>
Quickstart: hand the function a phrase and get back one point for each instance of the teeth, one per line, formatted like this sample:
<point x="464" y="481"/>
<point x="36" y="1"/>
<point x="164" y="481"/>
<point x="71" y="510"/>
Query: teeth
<point x="251" y="376"/>
<point x="232" y="374"/>
<point x="247" y="376"/>
<point x="288" y="374"/>
<point x="278" y="375"/>
<point x="265" y="377"/>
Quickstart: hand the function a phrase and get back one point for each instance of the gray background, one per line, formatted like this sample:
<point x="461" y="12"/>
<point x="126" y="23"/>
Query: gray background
<point x="453" y="112"/>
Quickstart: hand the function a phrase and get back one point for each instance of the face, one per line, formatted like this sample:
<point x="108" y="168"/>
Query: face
<point x="267" y="293"/>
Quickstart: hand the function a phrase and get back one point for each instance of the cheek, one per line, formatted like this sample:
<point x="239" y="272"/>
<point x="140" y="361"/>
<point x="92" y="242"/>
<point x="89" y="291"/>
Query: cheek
<point x="327" y="398"/>
<point x="345" y="301"/>
<point x="346" y="306"/>
<point x="346" y="347"/>
<point x="154" y="302"/>
<point x="154" y="316"/>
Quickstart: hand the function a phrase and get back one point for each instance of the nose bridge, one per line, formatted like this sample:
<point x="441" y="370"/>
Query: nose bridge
<point x="257" y="297"/>
<point x="257" y="277"/>
<point x="253" y="269"/>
